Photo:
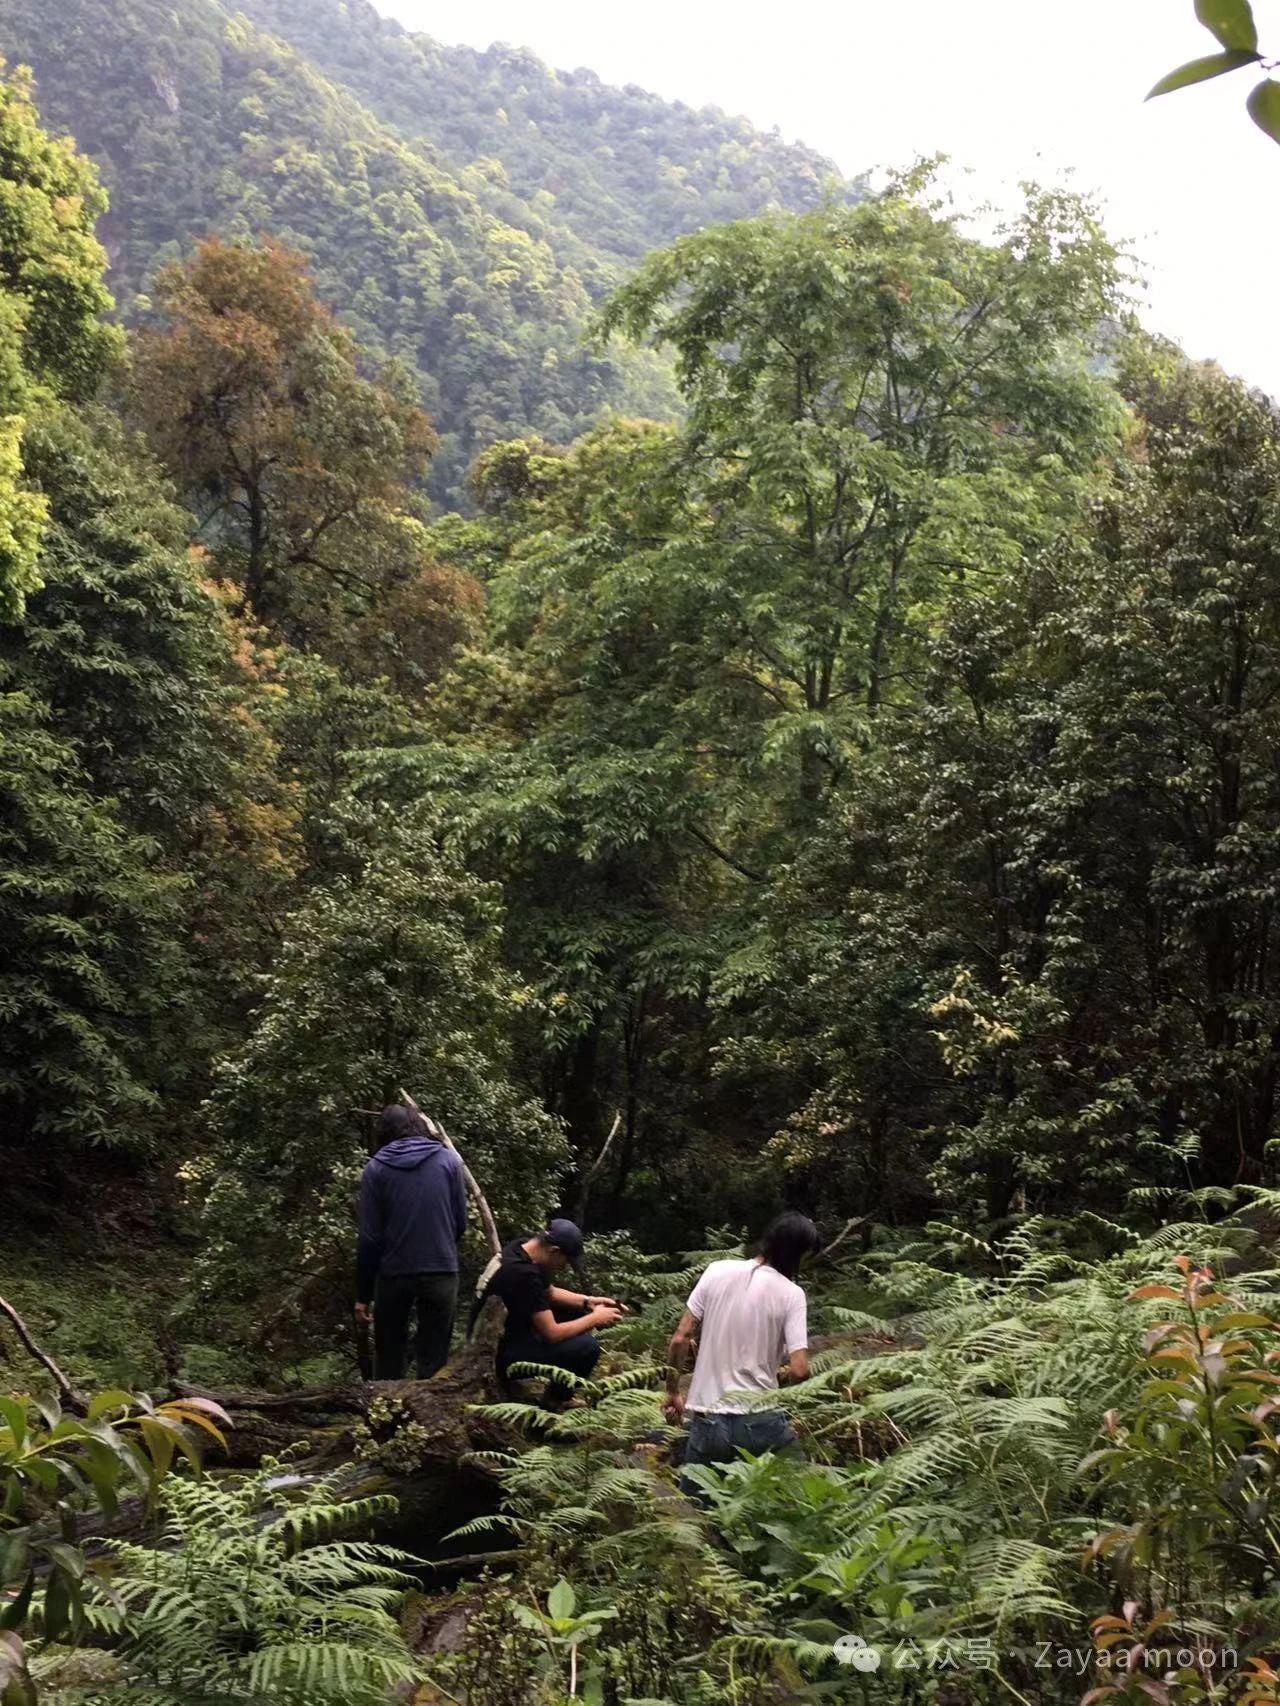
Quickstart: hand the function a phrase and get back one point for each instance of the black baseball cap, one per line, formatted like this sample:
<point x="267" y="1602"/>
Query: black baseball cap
<point x="566" y="1236"/>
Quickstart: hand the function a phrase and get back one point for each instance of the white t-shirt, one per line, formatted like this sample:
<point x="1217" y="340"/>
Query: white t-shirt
<point x="751" y="1320"/>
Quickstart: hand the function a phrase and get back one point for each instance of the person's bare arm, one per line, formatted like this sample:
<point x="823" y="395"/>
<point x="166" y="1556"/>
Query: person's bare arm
<point x="547" y="1327"/>
<point x="797" y="1367"/>
<point x="796" y="1338"/>
<point x="681" y="1354"/>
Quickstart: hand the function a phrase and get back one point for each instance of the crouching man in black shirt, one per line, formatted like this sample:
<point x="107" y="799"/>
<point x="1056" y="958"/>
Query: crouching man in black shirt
<point x="545" y="1323"/>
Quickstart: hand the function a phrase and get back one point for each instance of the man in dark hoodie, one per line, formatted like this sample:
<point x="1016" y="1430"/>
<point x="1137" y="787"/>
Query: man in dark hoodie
<point x="413" y="1211"/>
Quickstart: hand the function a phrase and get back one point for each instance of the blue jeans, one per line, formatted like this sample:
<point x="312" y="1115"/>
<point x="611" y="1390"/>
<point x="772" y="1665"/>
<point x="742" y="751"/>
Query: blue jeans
<point x="719" y="1435"/>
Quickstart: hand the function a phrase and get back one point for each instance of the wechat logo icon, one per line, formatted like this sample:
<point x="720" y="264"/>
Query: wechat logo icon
<point x="853" y="1650"/>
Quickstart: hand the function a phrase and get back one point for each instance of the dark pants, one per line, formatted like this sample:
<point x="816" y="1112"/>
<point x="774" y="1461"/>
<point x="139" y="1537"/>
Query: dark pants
<point x="719" y="1436"/>
<point x="578" y="1355"/>
<point x="435" y="1296"/>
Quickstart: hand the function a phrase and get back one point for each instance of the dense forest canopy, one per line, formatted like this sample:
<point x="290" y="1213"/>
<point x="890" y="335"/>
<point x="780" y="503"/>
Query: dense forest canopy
<point x="462" y="214"/>
<point x="823" y="756"/>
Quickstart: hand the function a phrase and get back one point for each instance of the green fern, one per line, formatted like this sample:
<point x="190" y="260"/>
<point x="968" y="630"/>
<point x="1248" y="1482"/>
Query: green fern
<point x="258" y="1591"/>
<point x="944" y="1500"/>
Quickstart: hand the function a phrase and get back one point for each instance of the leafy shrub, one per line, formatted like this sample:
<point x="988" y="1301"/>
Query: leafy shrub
<point x="1193" y="1465"/>
<point x="54" y="1465"/>
<point x="613" y="1561"/>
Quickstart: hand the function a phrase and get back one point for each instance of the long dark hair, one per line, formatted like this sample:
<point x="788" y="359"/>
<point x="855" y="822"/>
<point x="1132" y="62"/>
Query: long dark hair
<point x="787" y="1240"/>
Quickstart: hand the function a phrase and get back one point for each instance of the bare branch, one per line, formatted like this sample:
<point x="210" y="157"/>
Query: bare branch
<point x="584" y="1190"/>
<point x="71" y="1397"/>
<point x="733" y="864"/>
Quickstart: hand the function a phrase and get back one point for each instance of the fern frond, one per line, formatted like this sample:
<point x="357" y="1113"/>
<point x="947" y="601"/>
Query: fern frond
<point x="328" y="1670"/>
<point x="482" y="1525"/>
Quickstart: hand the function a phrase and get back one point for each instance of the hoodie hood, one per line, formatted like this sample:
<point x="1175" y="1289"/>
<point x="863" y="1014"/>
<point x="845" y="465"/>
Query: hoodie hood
<point x="409" y="1152"/>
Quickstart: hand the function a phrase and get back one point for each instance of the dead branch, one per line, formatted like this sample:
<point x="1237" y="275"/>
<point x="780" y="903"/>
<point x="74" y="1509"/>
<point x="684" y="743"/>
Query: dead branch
<point x="72" y="1398"/>
<point x="845" y="1230"/>
<point x="584" y="1190"/>
<point x="477" y="1195"/>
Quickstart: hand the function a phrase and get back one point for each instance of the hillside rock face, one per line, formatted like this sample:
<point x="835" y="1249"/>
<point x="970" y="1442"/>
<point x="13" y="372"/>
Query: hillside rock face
<point x="462" y="211"/>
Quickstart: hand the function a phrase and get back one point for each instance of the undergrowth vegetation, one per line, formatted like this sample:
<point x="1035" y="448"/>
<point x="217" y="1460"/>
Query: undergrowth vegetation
<point x="1061" y="1476"/>
<point x="254" y="1590"/>
<point x="1033" y="1468"/>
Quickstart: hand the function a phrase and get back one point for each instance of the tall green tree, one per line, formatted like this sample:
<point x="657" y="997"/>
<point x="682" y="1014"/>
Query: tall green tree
<point x="52" y="339"/>
<point x="52" y="265"/>
<point x="1029" y="956"/>
<point x="698" y="635"/>
<point x="163" y="710"/>
<point x="880" y="408"/>
<point x="93" y="979"/>
<point x="1178" y="684"/>
<point x="1135" y="1015"/>
<point x="122" y="642"/>
<point x="546" y="766"/>
<point x="103" y="669"/>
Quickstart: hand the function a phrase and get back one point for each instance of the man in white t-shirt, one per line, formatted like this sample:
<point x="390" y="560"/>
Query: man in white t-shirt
<point x="742" y="1321"/>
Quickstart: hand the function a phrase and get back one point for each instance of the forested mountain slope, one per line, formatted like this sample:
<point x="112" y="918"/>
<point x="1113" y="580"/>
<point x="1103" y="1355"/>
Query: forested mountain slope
<point x="621" y="169"/>
<point x="462" y="211"/>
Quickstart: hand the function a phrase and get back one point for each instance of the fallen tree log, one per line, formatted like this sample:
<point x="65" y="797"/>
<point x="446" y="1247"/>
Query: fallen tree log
<point x="432" y="1431"/>
<point x="413" y="1438"/>
<point x="264" y="1423"/>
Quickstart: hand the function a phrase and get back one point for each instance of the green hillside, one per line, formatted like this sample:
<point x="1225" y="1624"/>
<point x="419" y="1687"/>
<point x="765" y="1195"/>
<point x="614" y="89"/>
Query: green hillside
<point x="463" y="211"/>
<point x="620" y="169"/>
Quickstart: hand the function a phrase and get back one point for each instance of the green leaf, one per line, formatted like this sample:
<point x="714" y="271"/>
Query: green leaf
<point x="13" y="1615"/>
<point x="113" y="1399"/>
<point x="1264" y="107"/>
<point x="15" y="1419"/>
<point x="561" y="1600"/>
<point x="51" y="1412"/>
<point x="60" y="1606"/>
<point x="102" y="1470"/>
<point x="67" y="1559"/>
<point x="161" y="1441"/>
<point x="1200" y="70"/>
<point x="1231" y="21"/>
<point x="43" y="1472"/>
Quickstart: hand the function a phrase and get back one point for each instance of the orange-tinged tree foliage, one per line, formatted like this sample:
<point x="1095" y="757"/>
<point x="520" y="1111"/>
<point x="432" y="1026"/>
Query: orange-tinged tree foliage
<point x="302" y="471"/>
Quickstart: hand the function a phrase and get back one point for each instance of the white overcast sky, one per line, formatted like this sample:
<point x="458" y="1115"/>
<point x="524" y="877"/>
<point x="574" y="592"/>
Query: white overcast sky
<point x="1007" y="88"/>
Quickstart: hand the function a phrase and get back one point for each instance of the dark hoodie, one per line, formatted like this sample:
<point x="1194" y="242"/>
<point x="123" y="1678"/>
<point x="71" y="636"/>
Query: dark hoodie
<point x="413" y="1211"/>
